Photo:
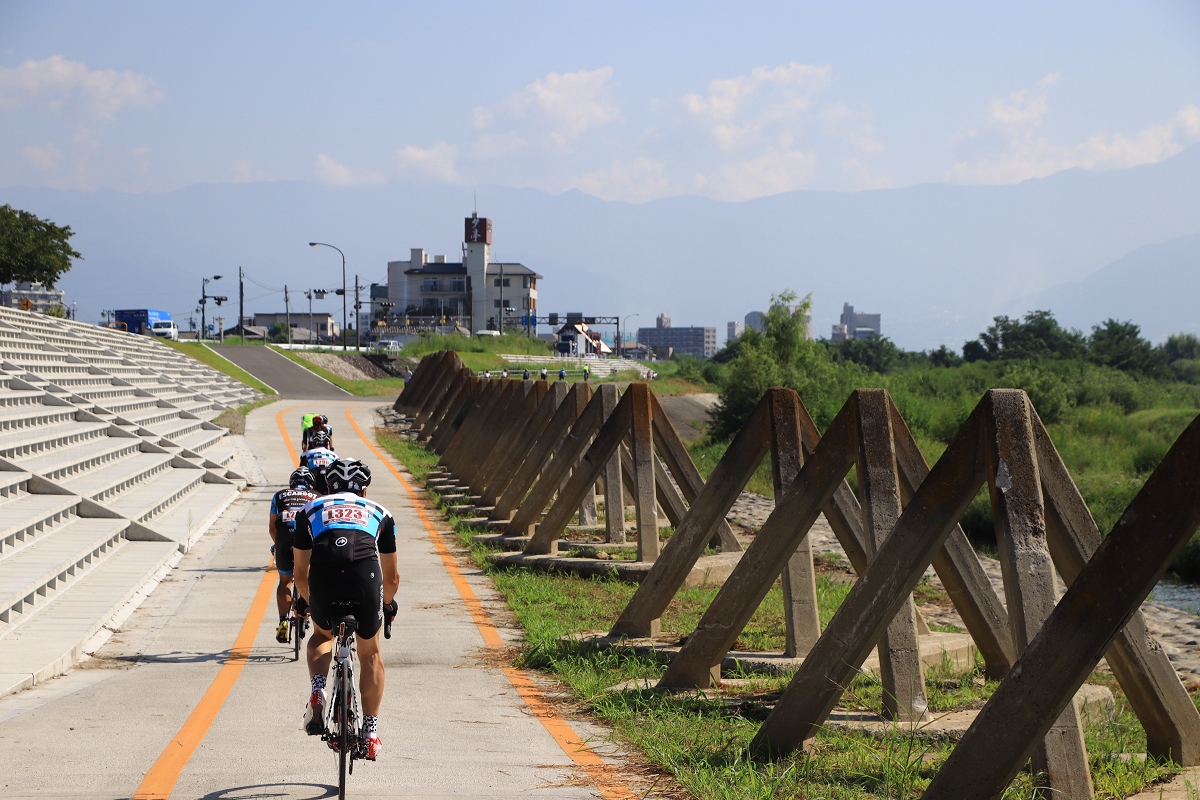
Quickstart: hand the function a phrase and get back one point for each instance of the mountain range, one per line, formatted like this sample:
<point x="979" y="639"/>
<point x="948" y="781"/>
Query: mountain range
<point x="936" y="260"/>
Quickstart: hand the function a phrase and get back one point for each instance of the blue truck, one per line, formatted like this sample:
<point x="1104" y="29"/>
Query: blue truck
<point x="141" y="320"/>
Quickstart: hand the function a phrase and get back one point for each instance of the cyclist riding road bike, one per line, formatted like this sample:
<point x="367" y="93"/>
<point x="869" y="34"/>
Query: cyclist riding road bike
<point x="345" y="549"/>
<point x="314" y="423"/>
<point x="285" y="505"/>
<point x="318" y="457"/>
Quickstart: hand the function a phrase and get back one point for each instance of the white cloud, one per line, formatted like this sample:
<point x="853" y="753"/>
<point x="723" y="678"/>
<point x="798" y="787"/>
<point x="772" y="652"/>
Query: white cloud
<point x="777" y="170"/>
<point x="1018" y="118"/>
<point x="738" y="110"/>
<point x="46" y="156"/>
<point x="333" y="173"/>
<point x="633" y="181"/>
<point x="437" y="162"/>
<point x="852" y="126"/>
<point x="560" y="107"/>
<point x="59" y="84"/>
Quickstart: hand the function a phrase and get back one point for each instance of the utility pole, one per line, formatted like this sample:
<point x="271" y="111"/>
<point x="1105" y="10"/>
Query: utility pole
<point x="309" y="295"/>
<point x="241" y="305"/>
<point x="287" y="312"/>
<point x="357" y="317"/>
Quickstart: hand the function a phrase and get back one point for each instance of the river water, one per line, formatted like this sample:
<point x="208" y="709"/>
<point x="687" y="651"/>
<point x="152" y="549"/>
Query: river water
<point x="1176" y="593"/>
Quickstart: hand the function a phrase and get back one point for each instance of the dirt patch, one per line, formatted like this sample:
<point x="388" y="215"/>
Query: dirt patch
<point x="351" y="367"/>
<point x="233" y="421"/>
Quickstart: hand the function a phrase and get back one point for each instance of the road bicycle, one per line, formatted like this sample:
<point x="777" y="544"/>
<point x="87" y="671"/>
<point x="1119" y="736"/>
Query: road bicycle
<point x="298" y="626"/>
<point x="343" y="721"/>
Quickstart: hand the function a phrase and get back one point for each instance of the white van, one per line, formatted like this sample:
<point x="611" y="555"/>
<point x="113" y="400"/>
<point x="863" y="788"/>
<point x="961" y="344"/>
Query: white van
<point x="167" y="329"/>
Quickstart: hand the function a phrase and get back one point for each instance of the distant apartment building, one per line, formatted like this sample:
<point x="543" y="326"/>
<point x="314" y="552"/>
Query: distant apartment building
<point x="667" y="341"/>
<point x="732" y="331"/>
<point x="853" y="325"/>
<point x="476" y="291"/>
<point x="31" y="297"/>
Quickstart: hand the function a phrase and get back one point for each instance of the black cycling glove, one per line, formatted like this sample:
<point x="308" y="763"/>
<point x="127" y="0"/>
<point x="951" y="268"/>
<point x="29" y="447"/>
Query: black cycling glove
<point x="390" y="610"/>
<point x="301" y="606"/>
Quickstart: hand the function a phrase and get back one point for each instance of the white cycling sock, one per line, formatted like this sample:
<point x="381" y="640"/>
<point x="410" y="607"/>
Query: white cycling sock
<point x="318" y="683"/>
<point x="370" y="725"/>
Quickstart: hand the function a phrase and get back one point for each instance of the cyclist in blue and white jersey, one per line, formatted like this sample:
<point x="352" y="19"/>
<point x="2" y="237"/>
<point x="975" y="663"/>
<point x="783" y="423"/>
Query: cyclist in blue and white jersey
<point x="318" y="457"/>
<point x="345" y="549"/>
<point x="282" y="526"/>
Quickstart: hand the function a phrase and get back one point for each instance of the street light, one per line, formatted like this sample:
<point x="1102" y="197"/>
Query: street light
<point x="343" y="255"/>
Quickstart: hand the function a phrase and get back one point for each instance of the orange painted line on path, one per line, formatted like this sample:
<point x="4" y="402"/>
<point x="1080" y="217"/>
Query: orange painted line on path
<point x="161" y="778"/>
<point x="608" y="782"/>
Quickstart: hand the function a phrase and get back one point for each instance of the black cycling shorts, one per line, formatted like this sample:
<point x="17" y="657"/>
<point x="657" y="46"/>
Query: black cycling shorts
<point x="359" y="583"/>
<point x="285" y="560"/>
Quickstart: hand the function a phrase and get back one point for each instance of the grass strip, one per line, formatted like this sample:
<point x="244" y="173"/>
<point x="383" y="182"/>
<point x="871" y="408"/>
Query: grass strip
<point x="234" y="419"/>
<point x="205" y="355"/>
<point x="701" y="739"/>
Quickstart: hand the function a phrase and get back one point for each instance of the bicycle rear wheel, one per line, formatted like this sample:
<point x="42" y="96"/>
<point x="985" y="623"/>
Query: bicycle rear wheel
<point x="343" y="735"/>
<point x="297" y="622"/>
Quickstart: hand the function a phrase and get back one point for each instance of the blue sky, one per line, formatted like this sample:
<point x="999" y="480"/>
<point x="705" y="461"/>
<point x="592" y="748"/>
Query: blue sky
<point x="625" y="101"/>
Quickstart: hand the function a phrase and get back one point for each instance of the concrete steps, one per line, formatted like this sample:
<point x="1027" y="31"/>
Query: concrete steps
<point x="26" y="517"/>
<point x="103" y="484"/>
<point x="32" y="575"/>
<point x="105" y="450"/>
<point x="53" y="639"/>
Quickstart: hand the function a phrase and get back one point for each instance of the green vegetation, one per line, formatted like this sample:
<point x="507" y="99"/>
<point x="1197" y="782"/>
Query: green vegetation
<point x="33" y="249"/>
<point x="509" y="343"/>
<point x="205" y="355"/>
<point x="1112" y="402"/>
<point x="700" y="739"/>
<point x="379" y="387"/>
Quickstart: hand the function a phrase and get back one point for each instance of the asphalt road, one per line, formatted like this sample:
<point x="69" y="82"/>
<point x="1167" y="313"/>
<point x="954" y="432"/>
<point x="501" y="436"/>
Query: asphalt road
<point x="291" y="380"/>
<point x="452" y="723"/>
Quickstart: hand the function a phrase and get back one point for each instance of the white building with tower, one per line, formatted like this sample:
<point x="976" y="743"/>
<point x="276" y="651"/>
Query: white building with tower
<point x="476" y="292"/>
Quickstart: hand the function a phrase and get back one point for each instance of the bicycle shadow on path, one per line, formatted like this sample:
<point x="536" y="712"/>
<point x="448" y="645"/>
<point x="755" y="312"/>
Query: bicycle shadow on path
<point x="288" y="791"/>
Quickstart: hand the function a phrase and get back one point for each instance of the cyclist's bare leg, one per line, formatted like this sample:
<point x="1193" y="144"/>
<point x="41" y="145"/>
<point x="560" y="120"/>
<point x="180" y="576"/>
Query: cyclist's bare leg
<point x="283" y="594"/>
<point x="320" y="651"/>
<point x="371" y="678"/>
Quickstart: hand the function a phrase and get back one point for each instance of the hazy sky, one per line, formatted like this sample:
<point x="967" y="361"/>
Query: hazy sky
<point x="629" y="101"/>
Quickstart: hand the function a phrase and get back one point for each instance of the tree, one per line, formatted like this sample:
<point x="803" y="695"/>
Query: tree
<point x="33" y="249"/>
<point x="1120" y="345"/>
<point x="1037" y="335"/>
<point x="876" y="353"/>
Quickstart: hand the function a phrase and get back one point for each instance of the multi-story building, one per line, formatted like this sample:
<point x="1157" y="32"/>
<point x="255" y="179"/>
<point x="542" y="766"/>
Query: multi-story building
<point x="667" y="341"/>
<point x="853" y="325"/>
<point x="31" y="297"/>
<point x="732" y="331"/>
<point x="476" y="291"/>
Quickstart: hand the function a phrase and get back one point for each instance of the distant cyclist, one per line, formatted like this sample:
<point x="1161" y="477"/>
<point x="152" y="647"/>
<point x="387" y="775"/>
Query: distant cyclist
<point x="317" y="423"/>
<point x="346" y="553"/>
<point x="318" y="458"/>
<point x="285" y="505"/>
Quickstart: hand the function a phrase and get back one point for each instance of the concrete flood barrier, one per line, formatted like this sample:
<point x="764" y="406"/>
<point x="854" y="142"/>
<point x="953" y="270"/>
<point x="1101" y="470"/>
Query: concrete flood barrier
<point x="526" y="458"/>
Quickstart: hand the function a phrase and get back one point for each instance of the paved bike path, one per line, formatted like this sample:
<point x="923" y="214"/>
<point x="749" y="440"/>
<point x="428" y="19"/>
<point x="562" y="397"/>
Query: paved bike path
<point x="280" y="373"/>
<point x="452" y="726"/>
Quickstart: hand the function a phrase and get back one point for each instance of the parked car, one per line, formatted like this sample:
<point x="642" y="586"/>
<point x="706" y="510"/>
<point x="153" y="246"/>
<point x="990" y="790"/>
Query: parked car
<point x="167" y="329"/>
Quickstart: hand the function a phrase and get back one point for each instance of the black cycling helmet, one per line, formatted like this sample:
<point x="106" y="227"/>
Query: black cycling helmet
<point x="318" y="439"/>
<point x="347" y="475"/>
<point x="302" y="477"/>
